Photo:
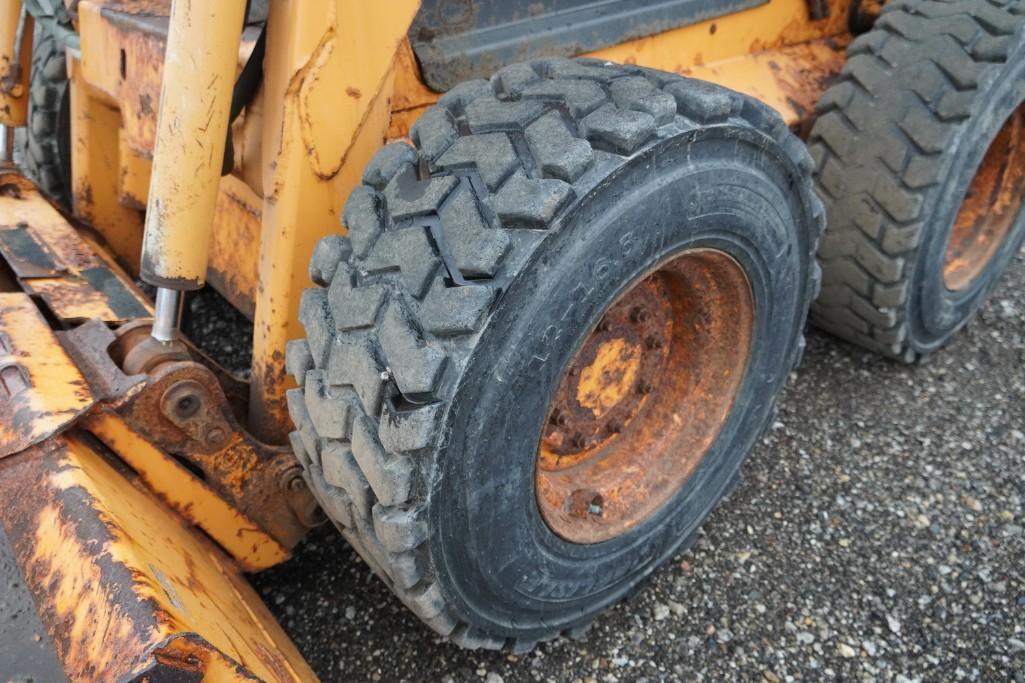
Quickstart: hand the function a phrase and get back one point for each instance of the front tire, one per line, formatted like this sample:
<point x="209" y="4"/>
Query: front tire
<point x="479" y="266"/>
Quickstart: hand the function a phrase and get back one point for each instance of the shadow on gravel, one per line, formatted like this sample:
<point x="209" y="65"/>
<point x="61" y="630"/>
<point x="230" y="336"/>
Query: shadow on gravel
<point x="877" y="534"/>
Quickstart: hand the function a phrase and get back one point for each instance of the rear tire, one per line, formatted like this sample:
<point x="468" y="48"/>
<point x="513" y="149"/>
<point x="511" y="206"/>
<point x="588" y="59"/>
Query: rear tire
<point x="47" y="151"/>
<point x="475" y="265"/>
<point x="901" y="151"/>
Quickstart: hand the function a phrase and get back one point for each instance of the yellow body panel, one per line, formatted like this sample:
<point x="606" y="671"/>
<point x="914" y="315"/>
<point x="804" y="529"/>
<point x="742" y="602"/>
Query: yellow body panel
<point x="309" y="47"/>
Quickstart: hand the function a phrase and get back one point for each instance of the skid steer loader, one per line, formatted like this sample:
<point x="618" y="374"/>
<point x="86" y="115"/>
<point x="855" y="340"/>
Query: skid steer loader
<point x="524" y="280"/>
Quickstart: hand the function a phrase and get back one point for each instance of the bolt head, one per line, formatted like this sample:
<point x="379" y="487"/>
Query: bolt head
<point x="639" y="314"/>
<point x="216" y="436"/>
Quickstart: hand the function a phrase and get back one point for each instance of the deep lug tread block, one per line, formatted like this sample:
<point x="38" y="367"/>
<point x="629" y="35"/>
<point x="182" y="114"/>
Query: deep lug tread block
<point x="388" y="255"/>
<point x="530" y="202"/>
<point x="362" y="216"/>
<point x="329" y="252"/>
<point x="387" y="163"/>
<point x="558" y="152"/>
<point x="579" y="98"/>
<point x="298" y="359"/>
<point x="476" y="248"/>
<point x="491" y="155"/>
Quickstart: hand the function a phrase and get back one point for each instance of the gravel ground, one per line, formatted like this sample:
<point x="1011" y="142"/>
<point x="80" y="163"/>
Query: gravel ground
<point x="877" y="535"/>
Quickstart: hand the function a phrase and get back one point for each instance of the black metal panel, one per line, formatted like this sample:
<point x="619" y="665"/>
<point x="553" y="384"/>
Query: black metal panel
<point x="456" y="40"/>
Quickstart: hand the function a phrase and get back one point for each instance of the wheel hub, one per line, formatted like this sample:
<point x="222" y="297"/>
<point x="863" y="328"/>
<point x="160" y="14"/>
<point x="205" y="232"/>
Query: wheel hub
<point x="611" y="375"/>
<point x="991" y="205"/>
<point x="644" y="397"/>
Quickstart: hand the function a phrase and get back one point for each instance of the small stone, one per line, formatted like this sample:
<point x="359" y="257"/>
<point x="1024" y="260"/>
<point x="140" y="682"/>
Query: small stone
<point x="893" y="623"/>
<point x="1015" y="645"/>
<point x="492" y="677"/>
<point x="661" y="612"/>
<point x="921" y="521"/>
<point x="805" y="638"/>
<point x="350" y="613"/>
<point x="869" y="647"/>
<point x="972" y="504"/>
<point x="770" y="677"/>
<point x="676" y="608"/>
<point x="845" y="650"/>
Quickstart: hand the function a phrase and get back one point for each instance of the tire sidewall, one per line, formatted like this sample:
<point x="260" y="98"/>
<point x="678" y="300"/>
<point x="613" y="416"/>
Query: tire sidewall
<point x="936" y="313"/>
<point x="496" y="558"/>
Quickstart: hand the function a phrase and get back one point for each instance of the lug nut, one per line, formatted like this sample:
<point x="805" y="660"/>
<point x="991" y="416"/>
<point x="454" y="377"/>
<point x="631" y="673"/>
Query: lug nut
<point x="614" y="426"/>
<point x="579" y="441"/>
<point x="559" y="418"/>
<point x="654" y="343"/>
<point x="645" y="387"/>
<point x="605" y="325"/>
<point x="639" y="314"/>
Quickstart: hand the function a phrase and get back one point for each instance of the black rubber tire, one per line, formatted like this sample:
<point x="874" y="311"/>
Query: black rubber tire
<point x="475" y="263"/>
<point x="47" y="150"/>
<point x="898" y="139"/>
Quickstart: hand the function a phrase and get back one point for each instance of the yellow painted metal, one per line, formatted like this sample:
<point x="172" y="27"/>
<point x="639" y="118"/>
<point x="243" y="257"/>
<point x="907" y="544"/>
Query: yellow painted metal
<point x="95" y="162"/>
<point x="199" y="74"/>
<point x="190" y="496"/>
<point x="789" y="78"/>
<point x="328" y="85"/>
<point x="41" y="389"/>
<point x="15" y="63"/>
<point x="233" y="270"/>
<point x="766" y="27"/>
<point x="131" y="592"/>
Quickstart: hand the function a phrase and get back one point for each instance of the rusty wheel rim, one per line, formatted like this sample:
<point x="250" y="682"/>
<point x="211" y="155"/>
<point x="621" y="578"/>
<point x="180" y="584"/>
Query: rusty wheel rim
<point x="645" y="397"/>
<point x="993" y="201"/>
